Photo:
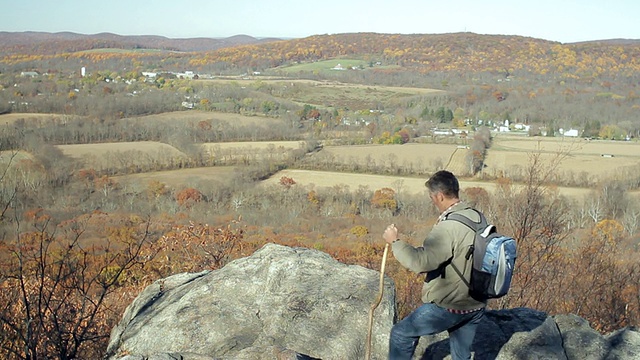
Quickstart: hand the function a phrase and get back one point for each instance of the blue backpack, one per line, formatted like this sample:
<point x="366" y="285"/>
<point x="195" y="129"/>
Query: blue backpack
<point x="494" y="257"/>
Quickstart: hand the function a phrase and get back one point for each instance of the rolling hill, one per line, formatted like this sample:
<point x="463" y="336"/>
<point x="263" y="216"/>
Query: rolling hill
<point x="43" y="43"/>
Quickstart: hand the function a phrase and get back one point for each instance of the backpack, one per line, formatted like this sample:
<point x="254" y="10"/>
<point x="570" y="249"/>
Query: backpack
<point x="494" y="256"/>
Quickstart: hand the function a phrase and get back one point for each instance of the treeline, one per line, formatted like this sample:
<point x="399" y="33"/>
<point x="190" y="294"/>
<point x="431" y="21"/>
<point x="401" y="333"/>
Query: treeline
<point x="180" y="131"/>
<point x="462" y="52"/>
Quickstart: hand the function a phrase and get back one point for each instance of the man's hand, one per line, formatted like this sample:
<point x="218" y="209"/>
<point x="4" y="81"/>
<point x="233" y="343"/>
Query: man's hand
<point x="390" y="234"/>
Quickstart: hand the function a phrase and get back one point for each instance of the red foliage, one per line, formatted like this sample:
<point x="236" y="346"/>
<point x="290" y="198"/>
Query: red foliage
<point x="188" y="197"/>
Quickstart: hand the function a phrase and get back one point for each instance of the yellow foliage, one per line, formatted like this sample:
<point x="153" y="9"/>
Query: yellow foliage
<point x="359" y="230"/>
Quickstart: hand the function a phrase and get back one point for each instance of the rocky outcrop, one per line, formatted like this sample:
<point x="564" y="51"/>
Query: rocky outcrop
<point x="526" y="334"/>
<point x="295" y="303"/>
<point x="280" y="302"/>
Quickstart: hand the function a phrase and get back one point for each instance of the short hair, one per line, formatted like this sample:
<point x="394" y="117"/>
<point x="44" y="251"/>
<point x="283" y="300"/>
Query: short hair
<point x="445" y="182"/>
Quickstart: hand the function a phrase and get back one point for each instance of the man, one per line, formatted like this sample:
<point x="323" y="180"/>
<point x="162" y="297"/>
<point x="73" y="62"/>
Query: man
<point x="447" y="303"/>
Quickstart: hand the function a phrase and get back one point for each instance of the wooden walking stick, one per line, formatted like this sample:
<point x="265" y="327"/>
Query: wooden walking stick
<point x="377" y="302"/>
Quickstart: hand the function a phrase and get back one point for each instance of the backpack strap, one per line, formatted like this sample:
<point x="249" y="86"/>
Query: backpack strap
<point x="475" y="226"/>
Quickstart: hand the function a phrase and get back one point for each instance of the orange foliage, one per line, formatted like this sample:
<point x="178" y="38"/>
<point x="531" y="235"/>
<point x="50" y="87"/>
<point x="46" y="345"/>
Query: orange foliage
<point x="385" y="199"/>
<point x="196" y="247"/>
<point x="287" y="182"/>
<point x="188" y="197"/>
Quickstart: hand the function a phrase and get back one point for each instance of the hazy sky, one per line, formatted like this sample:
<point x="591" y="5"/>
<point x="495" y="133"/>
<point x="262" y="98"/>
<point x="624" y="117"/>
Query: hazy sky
<point x="557" y="20"/>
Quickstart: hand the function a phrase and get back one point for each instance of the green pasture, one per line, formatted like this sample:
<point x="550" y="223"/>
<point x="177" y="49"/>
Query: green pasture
<point x="325" y="66"/>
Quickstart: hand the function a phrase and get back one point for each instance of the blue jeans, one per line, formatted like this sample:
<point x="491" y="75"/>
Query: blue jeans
<point x="430" y="319"/>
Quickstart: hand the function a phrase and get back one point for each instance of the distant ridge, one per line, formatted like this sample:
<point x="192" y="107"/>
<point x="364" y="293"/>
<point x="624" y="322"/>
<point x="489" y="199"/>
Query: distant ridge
<point x="32" y="42"/>
<point x="622" y="42"/>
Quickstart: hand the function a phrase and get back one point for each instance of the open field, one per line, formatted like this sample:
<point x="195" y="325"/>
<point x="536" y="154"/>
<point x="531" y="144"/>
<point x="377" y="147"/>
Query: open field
<point x="6" y="119"/>
<point x="179" y="179"/>
<point x="324" y="66"/>
<point x="109" y="156"/>
<point x="573" y="145"/>
<point x="13" y="157"/>
<point x="333" y="93"/>
<point x="327" y="179"/>
<point x="583" y="157"/>
<point x="420" y="157"/>
<point x="197" y="115"/>
<point x="233" y="151"/>
<point x="99" y="150"/>
<point x="255" y="146"/>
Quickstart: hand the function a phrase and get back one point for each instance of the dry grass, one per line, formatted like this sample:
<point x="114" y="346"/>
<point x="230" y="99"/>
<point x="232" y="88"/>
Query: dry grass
<point x="326" y="84"/>
<point x="254" y="146"/>
<point x="100" y="150"/>
<point x="584" y="158"/>
<point x="106" y="156"/>
<point x="196" y="115"/>
<point x="327" y="179"/>
<point x="178" y="179"/>
<point x="13" y="157"/>
<point x="6" y="119"/>
<point x="419" y="156"/>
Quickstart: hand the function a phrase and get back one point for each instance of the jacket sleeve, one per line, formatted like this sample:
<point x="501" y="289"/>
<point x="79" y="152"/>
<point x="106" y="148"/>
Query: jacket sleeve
<point x="436" y="249"/>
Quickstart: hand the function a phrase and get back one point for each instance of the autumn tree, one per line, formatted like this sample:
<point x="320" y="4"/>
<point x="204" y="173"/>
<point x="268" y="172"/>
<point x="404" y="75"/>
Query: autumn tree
<point x="612" y="132"/>
<point x="385" y="198"/>
<point x="188" y="197"/>
<point x="55" y="287"/>
<point x="605" y="292"/>
<point x="535" y="215"/>
<point x="287" y="182"/>
<point x="478" y="149"/>
<point x="196" y="247"/>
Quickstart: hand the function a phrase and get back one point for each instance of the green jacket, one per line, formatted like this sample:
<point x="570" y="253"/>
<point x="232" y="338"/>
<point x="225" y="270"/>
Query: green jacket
<point x="447" y="238"/>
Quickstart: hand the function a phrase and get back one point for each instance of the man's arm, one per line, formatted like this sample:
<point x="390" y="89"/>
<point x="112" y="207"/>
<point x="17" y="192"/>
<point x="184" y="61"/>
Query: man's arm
<point x="437" y="248"/>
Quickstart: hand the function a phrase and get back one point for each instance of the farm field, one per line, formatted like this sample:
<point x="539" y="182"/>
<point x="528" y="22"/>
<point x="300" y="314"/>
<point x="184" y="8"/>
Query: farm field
<point x="327" y="179"/>
<point x="13" y="157"/>
<point x="336" y="94"/>
<point x="325" y="83"/>
<point x="419" y="157"/>
<point x="574" y="145"/>
<point x="197" y="115"/>
<point x="101" y="149"/>
<point x="6" y="119"/>
<point x="178" y="179"/>
<point x="255" y="146"/>
<point x="105" y="156"/>
<point x="251" y="151"/>
<point x="584" y="158"/>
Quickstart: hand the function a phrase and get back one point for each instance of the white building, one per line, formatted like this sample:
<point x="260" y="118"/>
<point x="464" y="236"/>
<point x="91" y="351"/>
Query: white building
<point x="569" y="133"/>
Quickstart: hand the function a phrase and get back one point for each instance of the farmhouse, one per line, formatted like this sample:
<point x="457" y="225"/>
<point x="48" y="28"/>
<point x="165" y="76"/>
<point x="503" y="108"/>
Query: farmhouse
<point x="446" y="132"/>
<point x="29" y="74"/>
<point x="569" y="133"/>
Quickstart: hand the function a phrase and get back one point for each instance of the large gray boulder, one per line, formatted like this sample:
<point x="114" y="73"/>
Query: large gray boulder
<point x="278" y="303"/>
<point x="294" y="303"/>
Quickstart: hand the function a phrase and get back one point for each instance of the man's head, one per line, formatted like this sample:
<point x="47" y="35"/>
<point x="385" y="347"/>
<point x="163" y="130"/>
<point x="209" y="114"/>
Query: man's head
<point x="443" y="189"/>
